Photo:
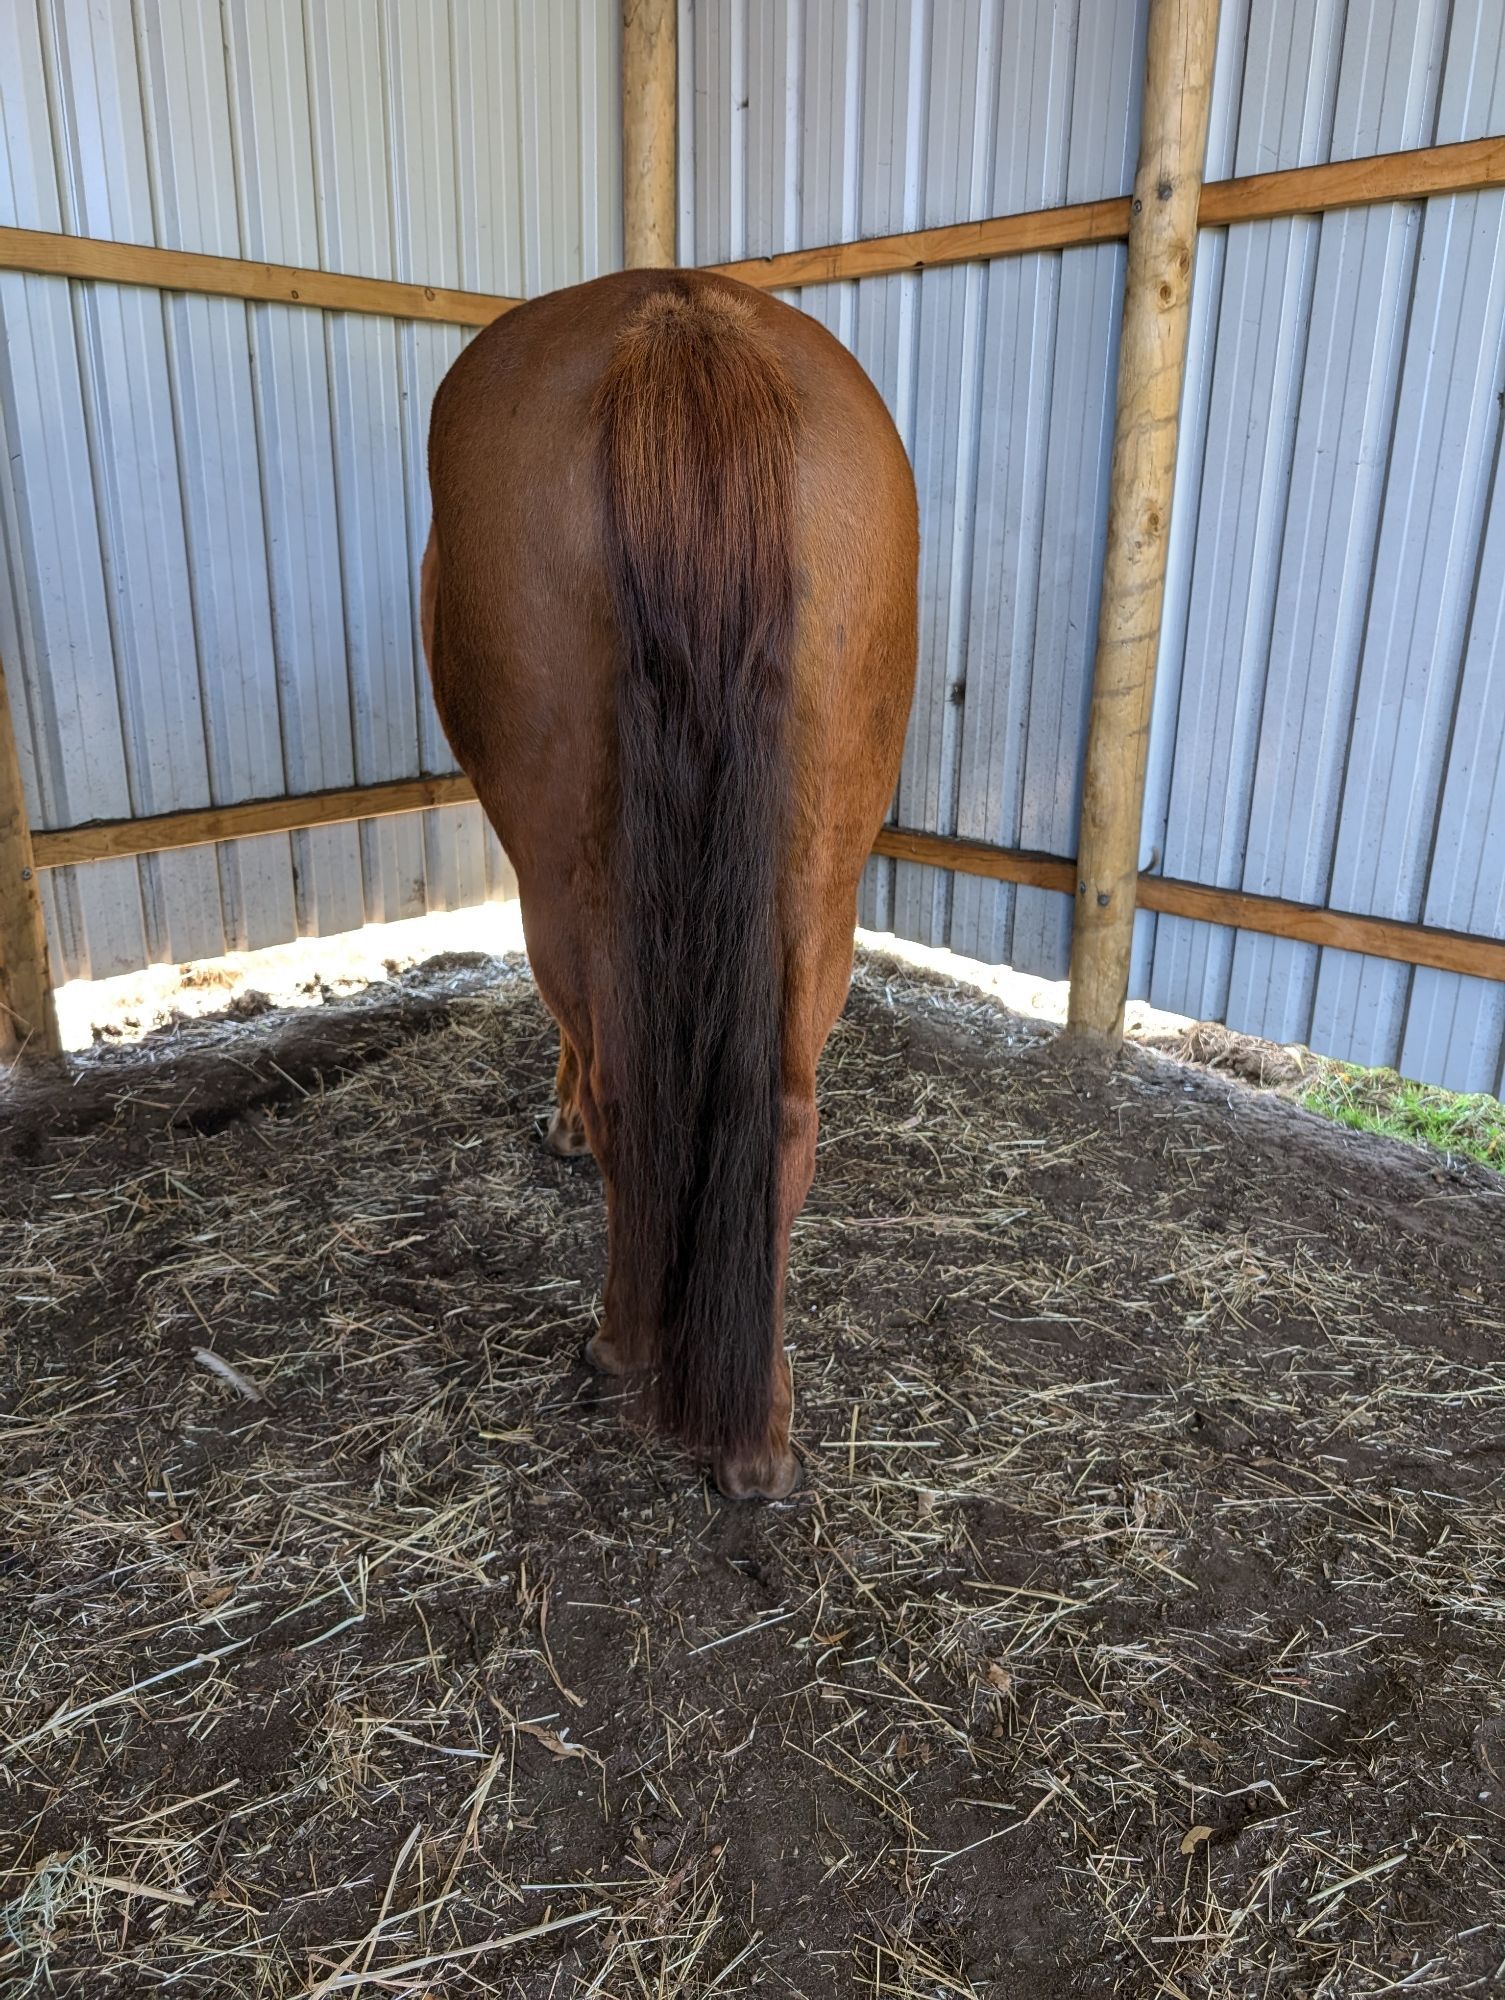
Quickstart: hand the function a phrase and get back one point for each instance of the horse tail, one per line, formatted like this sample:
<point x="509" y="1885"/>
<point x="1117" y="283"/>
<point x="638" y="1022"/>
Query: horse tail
<point x="698" y="425"/>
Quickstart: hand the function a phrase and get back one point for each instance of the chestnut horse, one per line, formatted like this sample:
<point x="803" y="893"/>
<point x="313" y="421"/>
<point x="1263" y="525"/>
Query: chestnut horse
<point x="669" y="610"/>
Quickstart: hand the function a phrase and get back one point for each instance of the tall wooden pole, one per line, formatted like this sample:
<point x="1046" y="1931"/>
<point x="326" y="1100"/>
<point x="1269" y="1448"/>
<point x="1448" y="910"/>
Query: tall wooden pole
<point x="28" y="1019"/>
<point x="650" y="131"/>
<point x="1151" y="369"/>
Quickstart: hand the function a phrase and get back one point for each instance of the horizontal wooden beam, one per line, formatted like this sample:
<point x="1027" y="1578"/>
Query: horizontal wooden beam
<point x="235" y="278"/>
<point x="1272" y="916"/>
<point x="1378" y="937"/>
<point x="1466" y="167"/>
<point x="976" y="857"/>
<point x="1463" y="168"/>
<point x="1084" y="222"/>
<point x="116" y="839"/>
<point x="1375" y="937"/>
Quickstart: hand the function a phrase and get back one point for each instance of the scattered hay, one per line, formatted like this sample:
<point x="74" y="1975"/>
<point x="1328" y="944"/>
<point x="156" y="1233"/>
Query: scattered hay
<point x="1267" y="1065"/>
<point x="1140" y="1630"/>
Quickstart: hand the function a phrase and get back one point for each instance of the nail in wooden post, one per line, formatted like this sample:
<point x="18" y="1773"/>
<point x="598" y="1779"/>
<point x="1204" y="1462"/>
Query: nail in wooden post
<point x="1151" y="368"/>
<point x="28" y="1019"/>
<point x="650" y="131"/>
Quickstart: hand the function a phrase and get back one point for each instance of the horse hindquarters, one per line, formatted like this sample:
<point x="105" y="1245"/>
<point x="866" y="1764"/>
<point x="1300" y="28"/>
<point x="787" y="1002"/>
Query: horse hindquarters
<point x="686" y="775"/>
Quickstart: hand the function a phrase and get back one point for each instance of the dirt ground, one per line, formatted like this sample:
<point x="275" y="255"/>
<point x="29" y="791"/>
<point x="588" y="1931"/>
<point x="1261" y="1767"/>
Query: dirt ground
<point x="1139" y="1630"/>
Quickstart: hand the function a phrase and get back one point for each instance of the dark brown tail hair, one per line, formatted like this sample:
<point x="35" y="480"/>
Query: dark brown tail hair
<point x="698" y="455"/>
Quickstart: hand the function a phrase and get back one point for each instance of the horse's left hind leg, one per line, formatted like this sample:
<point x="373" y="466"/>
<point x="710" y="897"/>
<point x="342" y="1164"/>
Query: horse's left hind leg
<point x="566" y="1133"/>
<point x="604" y="1351"/>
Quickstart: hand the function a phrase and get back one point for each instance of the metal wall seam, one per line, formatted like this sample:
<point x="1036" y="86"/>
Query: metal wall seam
<point x="1351" y="336"/>
<point x="1036" y="67"/>
<point x="430" y="201"/>
<point x="69" y="723"/>
<point x="349" y="68"/>
<point x="951" y="110"/>
<point x="1443" y="442"/>
<point x="1229" y="68"/>
<point x="273" y="149"/>
<point x="185" y="86"/>
<point x="884" y="113"/>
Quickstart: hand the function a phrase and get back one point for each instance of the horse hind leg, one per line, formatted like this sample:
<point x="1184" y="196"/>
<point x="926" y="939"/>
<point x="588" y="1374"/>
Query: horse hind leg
<point x="607" y="1350"/>
<point x="819" y="971"/>
<point x="770" y="1470"/>
<point x="565" y="1135"/>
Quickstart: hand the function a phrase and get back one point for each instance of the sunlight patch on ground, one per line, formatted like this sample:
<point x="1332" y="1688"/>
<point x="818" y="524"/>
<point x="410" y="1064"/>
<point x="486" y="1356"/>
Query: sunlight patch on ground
<point x="310" y="970"/>
<point x="1021" y="992"/>
<point x="303" y="973"/>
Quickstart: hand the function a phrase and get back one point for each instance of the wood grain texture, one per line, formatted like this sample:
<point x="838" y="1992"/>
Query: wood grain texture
<point x="102" y="840"/>
<point x="954" y="243"/>
<point x="1376" y="937"/>
<point x="1151" y="368"/>
<point x="236" y="278"/>
<point x="650" y="132"/>
<point x="1462" y="168"/>
<point x="976" y="857"/>
<point x="28" y="1019"/>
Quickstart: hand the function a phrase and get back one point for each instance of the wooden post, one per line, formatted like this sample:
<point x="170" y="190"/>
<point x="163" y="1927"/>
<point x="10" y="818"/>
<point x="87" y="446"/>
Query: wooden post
<point x="1151" y="368"/>
<point x="28" y="1019"/>
<point x="650" y="131"/>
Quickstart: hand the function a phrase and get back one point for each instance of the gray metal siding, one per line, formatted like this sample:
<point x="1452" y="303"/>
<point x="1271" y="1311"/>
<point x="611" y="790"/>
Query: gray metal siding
<point x="213" y="512"/>
<point x="815" y="121"/>
<point x="1329" y="716"/>
<point x="1331" y="525"/>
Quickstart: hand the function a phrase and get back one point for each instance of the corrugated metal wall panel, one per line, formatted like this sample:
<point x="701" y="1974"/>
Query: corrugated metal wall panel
<point x="1017" y="421"/>
<point x="1340" y="432"/>
<point x="1101" y="151"/>
<point x="1442" y="455"/>
<point x="1455" y="1027"/>
<point x="189" y="138"/>
<point x="1333" y="525"/>
<point x="71" y="741"/>
<point x="214" y="513"/>
<point x="1248" y="372"/>
<point x="814" y="123"/>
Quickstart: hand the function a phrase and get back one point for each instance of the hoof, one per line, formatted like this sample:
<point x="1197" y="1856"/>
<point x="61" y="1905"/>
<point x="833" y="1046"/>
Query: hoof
<point x="759" y="1476"/>
<point x="564" y="1137"/>
<point x="602" y="1353"/>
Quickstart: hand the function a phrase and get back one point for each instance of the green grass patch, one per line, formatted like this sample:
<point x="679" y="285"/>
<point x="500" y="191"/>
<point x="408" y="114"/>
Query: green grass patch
<point x="1377" y="1100"/>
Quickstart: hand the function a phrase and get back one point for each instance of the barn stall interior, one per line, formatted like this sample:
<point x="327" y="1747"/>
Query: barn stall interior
<point x="1140" y="1626"/>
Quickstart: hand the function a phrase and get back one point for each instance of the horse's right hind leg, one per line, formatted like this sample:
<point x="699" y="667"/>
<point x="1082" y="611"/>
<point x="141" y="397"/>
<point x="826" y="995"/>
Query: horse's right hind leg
<point x="817" y="972"/>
